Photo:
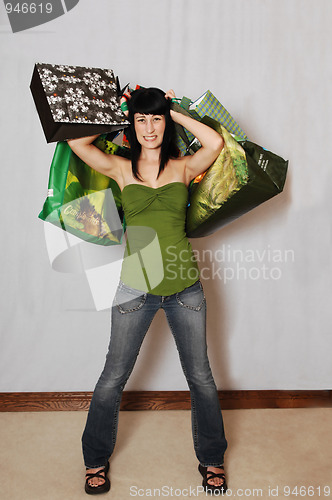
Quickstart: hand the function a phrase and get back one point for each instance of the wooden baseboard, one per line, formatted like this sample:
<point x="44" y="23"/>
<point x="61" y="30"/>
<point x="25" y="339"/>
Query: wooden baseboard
<point x="164" y="400"/>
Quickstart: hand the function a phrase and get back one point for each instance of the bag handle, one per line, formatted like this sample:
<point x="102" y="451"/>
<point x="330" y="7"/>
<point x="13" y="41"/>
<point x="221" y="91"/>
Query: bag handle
<point x="193" y="145"/>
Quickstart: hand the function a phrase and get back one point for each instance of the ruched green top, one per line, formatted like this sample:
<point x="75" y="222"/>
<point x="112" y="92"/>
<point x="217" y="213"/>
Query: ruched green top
<point x="158" y="257"/>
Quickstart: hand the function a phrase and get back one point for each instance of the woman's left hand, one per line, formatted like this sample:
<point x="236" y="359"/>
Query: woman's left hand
<point x="170" y="94"/>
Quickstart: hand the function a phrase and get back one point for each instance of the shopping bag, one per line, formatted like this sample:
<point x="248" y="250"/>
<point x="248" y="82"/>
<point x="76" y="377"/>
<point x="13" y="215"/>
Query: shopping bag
<point x="206" y="105"/>
<point x="243" y="176"/>
<point x="75" y="101"/>
<point x="83" y="201"/>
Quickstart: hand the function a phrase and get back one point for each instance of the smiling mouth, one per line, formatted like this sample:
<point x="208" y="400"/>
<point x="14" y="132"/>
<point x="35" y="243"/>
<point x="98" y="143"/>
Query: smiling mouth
<point x="150" y="138"/>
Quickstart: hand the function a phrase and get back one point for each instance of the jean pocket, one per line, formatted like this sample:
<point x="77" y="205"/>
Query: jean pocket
<point x="129" y="299"/>
<point x="192" y="297"/>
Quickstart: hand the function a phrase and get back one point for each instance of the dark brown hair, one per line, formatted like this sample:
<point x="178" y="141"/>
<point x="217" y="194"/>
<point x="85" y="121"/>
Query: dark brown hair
<point x="151" y="101"/>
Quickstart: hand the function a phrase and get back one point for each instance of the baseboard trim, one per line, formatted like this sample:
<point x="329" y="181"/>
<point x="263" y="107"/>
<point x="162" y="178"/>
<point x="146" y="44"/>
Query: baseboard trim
<point x="164" y="400"/>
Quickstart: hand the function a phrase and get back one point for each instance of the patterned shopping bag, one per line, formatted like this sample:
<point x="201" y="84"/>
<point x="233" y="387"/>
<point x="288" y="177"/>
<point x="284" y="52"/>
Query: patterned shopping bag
<point x="208" y="105"/>
<point x="75" y="101"/>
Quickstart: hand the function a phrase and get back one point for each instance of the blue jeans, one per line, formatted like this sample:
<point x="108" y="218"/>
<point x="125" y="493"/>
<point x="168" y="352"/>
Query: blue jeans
<point x="132" y="314"/>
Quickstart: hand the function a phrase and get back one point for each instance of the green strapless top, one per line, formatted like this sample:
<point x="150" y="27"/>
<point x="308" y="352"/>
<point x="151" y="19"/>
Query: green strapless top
<point x="158" y="257"/>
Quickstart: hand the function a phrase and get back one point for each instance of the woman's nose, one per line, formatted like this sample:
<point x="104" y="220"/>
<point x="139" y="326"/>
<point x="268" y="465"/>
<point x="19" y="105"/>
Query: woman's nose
<point x="150" y="126"/>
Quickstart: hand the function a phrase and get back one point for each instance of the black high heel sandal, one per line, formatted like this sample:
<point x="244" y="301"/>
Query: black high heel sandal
<point x="207" y="475"/>
<point x="101" y="488"/>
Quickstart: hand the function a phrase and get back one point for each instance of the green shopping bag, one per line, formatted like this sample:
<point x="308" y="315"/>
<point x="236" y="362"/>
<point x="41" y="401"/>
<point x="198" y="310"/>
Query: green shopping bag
<point x="83" y="201"/>
<point x="242" y="177"/>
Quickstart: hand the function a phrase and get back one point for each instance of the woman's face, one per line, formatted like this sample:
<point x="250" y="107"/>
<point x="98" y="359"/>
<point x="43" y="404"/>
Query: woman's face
<point x="149" y="130"/>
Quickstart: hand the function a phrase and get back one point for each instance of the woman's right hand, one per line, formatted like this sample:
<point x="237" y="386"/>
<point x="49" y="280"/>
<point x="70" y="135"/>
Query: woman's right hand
<point x="123" y="103"/>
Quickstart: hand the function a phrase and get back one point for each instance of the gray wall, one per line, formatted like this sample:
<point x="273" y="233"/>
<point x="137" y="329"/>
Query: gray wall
<point x="269" y="63"/>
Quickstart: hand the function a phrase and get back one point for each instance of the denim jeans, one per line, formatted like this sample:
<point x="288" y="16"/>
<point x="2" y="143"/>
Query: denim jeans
<point x="132" y="314"/>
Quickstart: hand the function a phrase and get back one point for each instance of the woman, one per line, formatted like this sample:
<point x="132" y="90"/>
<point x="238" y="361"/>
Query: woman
<point x="154" y="195"/>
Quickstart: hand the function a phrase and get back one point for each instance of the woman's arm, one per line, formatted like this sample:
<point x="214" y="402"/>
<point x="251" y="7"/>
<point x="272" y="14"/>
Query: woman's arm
<point x="110" y="165"/>
<point x="212" y="143"/>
